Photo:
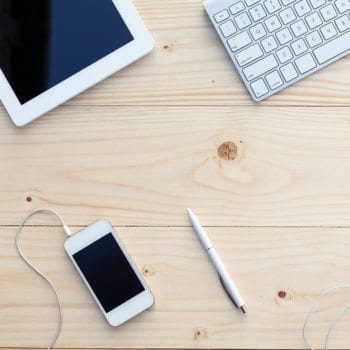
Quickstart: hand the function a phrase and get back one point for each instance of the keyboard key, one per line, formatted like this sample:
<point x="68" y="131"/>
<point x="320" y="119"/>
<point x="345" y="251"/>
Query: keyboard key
<point x="259" y="68"/>
<point x="343" y="23"/>
<point x="287" y="2"/>
<point x="259" y="88"/>
<point x="284" y="36"/>
<point x="258" y="31"/>
<point x="299" y="28"/>
<point x="243" y="21"/>
<point x="305" y="63"/>
<point x="221" y="16"/>
<point x="299" y="47"/>
<point x="313" y="39"/>
<point x="328" y="31"/>
<point x="313" y="20"/>
<point x="328" y="12"/>
<point x="239" y="41"/>
<point x="251" y="2"/>
<point x="237" y="7"/>
<point x="228" y="29"/>
<point x="302" y="8"/>
<point x="273" y="23"/>
<point x="333" y="48"/>
<point x="287" y="15"/>
<point x="249" y="55"/>
<point x="257" y="13"/>
<point x="274" y="80"/>
<point x="289" y="73"/>
<point x="284" y="54"/>
<point x="317" y="3"/>
<point x="343" y="5"/>
<point x="269" y="44"/>
<point x="272" y="6"/>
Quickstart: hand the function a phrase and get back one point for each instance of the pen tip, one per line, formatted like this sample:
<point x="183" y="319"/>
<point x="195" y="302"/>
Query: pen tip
<point x="244" y="310"/>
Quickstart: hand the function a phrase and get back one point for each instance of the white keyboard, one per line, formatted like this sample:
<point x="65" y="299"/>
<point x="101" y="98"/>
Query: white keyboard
<point x="275" y="43"/>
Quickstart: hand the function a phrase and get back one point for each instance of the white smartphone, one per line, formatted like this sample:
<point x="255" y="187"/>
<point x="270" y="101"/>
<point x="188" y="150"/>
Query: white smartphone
<point x="109" y="273"/>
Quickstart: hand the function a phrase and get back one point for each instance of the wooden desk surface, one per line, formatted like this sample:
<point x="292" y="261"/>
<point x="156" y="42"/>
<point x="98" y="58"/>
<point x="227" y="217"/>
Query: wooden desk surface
<point x="145" y="144"/>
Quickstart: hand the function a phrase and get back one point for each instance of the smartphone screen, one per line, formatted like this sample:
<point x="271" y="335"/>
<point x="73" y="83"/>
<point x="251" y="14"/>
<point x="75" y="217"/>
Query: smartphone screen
<point x="108" y="272"/>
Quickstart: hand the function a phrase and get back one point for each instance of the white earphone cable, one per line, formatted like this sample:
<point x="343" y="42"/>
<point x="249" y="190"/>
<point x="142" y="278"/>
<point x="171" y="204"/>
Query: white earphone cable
<point x="334" y="322"/>
<point x="46" y="279"/>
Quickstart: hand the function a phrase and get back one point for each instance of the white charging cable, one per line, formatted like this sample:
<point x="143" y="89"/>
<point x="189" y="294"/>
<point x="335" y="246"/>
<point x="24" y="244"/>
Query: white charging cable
<point x="334" y="322"/>
<point x="46" y="279"/>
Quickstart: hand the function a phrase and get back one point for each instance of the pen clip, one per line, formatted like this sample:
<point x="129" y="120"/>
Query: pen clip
<point x="225" y="289"/>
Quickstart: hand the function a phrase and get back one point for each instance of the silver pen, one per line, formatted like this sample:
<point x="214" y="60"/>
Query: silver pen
<point x="224" y="277"/>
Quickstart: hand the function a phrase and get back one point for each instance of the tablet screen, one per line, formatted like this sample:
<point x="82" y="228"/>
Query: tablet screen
<point x="43" y="42"/>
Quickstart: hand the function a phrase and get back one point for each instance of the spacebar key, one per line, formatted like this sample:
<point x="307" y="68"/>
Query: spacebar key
<point x="261" y="67"/>
<point x="333" y="48"/>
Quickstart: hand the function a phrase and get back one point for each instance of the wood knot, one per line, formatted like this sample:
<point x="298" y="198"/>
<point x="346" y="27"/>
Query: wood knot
<point x="169" y="46"/>
<point x="286" y="295"/>
<point x="228" y="150"/>
<point x="29" y="199"/>
<point x="148" y="271"/>
<point x="200" y="333"/>
<point x="282" y="294"/>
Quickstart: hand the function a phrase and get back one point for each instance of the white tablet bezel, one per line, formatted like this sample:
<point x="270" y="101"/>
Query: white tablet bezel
<point x="131" y="307"/>
<point x="22" y="114"/>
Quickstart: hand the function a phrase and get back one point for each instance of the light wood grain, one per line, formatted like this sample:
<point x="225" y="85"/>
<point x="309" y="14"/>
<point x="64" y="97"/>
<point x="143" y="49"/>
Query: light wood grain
<point x="191" y="309"/>
<point x="138" y="166"/>
<point x="143" y="145"/>
<point x="189" y="66"/>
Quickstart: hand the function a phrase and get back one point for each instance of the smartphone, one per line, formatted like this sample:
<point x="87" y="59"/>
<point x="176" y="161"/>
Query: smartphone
<point x="108" y="272"/>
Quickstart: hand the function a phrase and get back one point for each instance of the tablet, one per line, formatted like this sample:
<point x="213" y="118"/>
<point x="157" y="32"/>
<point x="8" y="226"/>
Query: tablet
<point x="51" y="50"/>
